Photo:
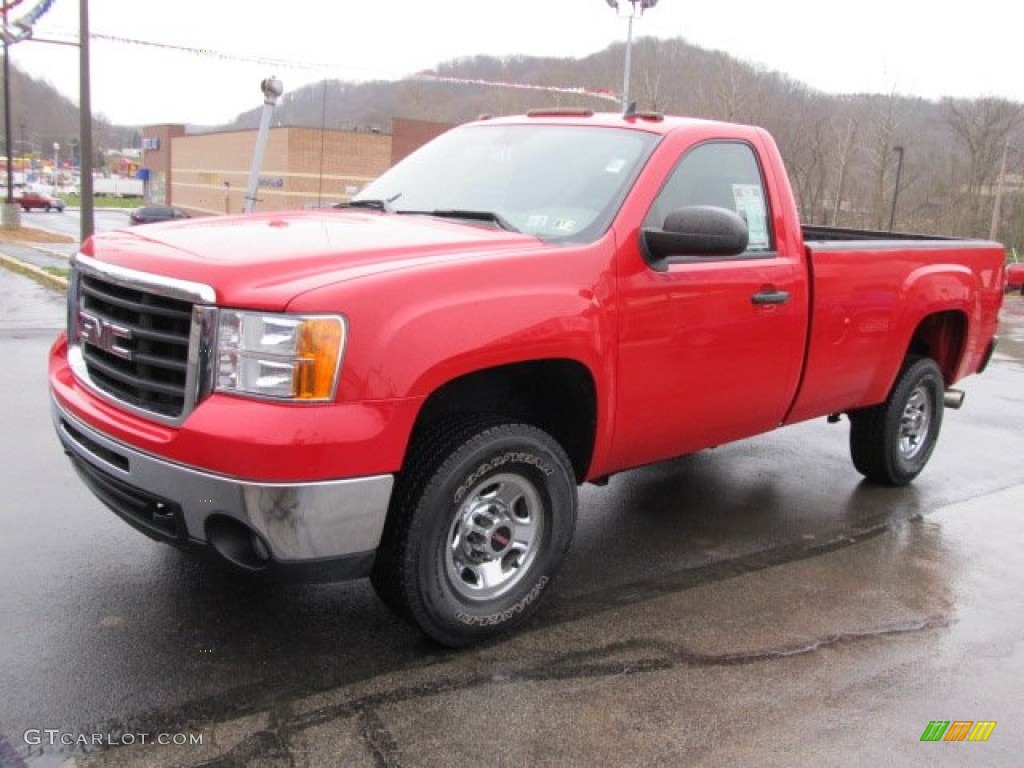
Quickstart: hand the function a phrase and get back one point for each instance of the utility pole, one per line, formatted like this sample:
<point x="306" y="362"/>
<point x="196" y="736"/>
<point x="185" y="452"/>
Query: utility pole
<point x="15" y="32"/>
<point x="12" y="213"/>
<point x="84" y="123"/>
<point x="997" y="204"/>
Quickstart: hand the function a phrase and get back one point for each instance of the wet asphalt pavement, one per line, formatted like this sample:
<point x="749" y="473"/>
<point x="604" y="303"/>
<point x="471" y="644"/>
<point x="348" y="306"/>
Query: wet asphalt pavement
<point x="756" y="604"/>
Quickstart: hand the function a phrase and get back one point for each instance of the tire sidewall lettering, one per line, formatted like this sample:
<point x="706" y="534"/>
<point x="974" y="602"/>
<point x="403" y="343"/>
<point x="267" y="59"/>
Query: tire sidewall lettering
<point x="510" y="457"/>
<point x="452" y="464"/>
<point x="548" y="475"/>
<point x="494" y="619"/>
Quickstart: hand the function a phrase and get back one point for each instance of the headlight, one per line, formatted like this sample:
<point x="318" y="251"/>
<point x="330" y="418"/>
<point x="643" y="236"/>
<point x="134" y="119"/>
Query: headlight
<point x="291" y="357"/>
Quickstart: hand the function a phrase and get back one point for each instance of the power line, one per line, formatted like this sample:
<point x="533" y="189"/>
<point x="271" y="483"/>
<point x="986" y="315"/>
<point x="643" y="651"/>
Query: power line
<point x="310" y="66"/>
<point x="195" y="50"/>
<point x="214" y="54"/>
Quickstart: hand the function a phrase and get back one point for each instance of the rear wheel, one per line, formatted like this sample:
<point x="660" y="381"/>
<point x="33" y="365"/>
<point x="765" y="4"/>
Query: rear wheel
<point x="891" y="443"/>
<point x="479" y="525"/>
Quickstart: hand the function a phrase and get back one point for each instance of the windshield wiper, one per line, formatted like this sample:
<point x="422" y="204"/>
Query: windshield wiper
<point x="458" y="213"/>
<point x="374" y="205"/>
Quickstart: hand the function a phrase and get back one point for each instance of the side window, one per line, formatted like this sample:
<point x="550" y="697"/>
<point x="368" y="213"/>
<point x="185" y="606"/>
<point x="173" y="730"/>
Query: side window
<point x="723" y="174"/>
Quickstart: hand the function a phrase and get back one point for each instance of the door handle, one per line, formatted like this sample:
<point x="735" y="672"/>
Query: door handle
<point x="770" y="297"/>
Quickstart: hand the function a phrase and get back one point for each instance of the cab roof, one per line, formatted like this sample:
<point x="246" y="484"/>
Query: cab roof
<point x="651" y="122"/>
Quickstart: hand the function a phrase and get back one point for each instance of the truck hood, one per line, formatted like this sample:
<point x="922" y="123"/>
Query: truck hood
<point x="265" y="260"/>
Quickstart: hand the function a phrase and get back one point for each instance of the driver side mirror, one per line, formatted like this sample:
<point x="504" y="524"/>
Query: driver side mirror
<point x="697" y="231"/>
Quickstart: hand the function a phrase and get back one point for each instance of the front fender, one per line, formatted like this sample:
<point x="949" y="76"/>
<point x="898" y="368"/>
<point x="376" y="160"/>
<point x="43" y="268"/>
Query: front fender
<point x="411" y="331"/>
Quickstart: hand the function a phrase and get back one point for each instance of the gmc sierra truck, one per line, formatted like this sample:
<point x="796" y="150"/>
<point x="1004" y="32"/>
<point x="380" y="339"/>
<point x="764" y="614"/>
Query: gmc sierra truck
<point x="411" y="387"/>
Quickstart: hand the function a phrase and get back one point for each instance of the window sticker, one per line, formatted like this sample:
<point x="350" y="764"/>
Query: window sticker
<point x="749" y="202"/>
<point x="615" y="165"/>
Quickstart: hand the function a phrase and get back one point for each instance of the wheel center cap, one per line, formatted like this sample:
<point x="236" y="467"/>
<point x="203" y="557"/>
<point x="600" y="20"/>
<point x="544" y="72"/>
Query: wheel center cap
<point x="487" y="533"/>
<point x="500" y="538"/>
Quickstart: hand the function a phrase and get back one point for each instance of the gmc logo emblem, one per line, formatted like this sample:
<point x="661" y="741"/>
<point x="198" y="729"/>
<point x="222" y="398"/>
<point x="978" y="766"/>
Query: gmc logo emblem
<point x="105" y="335"/>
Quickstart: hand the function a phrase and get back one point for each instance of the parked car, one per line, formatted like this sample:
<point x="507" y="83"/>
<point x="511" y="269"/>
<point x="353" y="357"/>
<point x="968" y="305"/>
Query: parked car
<point x="148" y="214"/>
<point x="1015" y="277"/>
<point x="30" y="200"/>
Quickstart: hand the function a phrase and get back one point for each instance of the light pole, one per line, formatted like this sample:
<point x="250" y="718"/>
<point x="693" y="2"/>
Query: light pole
<point x="272" y="89"/>
<point x="85" y="157"/>
<point x="14" y="32"/>
<point x="56" y="164"/>
<point x="12" y="213"/>
<point x="896" y="190"/>
<point x="636" y="10"/>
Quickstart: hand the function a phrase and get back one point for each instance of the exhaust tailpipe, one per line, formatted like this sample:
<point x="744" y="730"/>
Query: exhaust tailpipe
<point x="954" y="398"/>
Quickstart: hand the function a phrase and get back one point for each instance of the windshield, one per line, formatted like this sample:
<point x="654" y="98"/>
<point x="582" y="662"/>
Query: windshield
<point x="552" y="181"/>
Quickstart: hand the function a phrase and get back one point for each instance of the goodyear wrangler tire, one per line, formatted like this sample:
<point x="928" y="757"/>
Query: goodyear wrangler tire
<point x="479" y="528"/>
<point x="891" y="443"/>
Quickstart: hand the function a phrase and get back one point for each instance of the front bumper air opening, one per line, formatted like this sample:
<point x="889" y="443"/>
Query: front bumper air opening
<point x="237" y="543"/>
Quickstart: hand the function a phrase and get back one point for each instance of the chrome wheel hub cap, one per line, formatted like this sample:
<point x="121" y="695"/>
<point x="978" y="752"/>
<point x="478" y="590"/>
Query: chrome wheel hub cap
<point x="494" y="537"/>
<point x="915" y="423"/>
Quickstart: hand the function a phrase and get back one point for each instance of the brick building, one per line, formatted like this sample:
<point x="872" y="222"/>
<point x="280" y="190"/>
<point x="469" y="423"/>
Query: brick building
<point x="208" y="173"/>
<point x="408" y="135"/>
<point x="157" y="143"/>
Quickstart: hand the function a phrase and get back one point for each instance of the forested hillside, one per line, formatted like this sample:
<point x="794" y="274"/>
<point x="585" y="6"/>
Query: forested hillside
<point x="41" y="116"/>
<point x="843" y="152"/>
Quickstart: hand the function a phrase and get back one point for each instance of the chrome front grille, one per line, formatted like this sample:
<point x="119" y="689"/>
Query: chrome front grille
<point x="135" y="344"/>
<point x="140" y="340"/>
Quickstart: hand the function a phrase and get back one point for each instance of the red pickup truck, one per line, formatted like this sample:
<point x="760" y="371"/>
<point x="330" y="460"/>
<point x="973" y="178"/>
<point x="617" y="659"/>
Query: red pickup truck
<point x="1015" y="278"/>
<point x="411" y="387"/>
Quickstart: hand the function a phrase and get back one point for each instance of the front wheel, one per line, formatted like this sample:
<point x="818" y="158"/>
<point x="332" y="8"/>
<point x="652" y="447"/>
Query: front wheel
<point x="891" y="443"/>
<point x="478" y="528"/>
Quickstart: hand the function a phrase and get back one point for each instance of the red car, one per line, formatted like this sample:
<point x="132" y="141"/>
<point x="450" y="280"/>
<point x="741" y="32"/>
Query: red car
<point x="1015" y="277"/>
<point x="30" y="200"/>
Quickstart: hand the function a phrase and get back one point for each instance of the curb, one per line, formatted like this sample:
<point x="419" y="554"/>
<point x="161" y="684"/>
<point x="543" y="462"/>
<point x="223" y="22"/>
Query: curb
<point x="41" y="276"/>
<point x="47" y="251"/>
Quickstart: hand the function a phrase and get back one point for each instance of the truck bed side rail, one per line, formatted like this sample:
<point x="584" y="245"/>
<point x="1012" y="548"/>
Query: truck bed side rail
<point x="814" y="232"/>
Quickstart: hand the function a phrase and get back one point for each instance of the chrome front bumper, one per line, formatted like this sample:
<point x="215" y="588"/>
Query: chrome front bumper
<point x="294" y="522"/>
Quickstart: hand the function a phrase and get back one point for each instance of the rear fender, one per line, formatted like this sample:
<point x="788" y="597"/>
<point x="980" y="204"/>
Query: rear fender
<point x="938" y="307"/>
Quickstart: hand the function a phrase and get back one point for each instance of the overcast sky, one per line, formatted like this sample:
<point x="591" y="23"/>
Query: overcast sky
<point x="907" y="46"/>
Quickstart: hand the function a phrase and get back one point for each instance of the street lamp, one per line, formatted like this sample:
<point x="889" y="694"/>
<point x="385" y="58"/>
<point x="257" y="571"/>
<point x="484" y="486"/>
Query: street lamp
<point x="56" y="163"/>
<point x="636" y="10"/>
<point x="21" y="29"/>
<point x="272" y="89"/>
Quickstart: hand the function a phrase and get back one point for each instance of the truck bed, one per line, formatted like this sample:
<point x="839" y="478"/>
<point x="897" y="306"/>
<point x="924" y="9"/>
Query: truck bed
<point x="869" y="292"/>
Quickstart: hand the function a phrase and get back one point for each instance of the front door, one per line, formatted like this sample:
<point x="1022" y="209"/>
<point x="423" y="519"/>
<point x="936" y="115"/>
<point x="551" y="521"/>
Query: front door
<point x="710" y="347"/>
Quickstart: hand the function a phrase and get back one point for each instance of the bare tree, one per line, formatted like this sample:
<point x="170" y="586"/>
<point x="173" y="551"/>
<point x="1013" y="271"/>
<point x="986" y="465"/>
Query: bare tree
<point x="983" y="127"/>
<point x="845" y="131"/>
<point x="885" y="127"/>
